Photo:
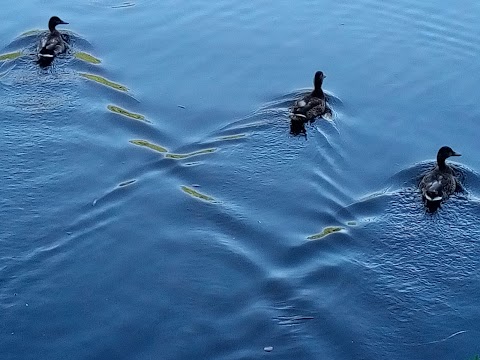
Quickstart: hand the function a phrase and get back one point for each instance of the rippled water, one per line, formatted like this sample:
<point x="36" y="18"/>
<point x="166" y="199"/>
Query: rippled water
<point x="154" y="204"/>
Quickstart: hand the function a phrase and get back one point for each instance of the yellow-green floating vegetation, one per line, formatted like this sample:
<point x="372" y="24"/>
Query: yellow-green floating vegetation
<point x="326" y="231"/>
<point x="195" y="153"/>
<point x="352" y="223"/>
<point x="149" y="145"/>
<point x="123" y="112"/>
<point x="87" y="58"/>
<point x="10" y="56"/>
<point x="232" y="137"/>
<point x="196" y="194"/>
<point x="103" y="81"/>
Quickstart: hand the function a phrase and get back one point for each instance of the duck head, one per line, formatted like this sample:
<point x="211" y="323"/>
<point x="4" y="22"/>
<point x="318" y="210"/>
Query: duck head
<point x="54" y="21"/>
<point x="318" y="80"/>
<point x="444" y="153"/>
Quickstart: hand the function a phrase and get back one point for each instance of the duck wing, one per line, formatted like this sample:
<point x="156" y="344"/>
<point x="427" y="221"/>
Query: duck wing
<point x="52" y="45"/>
<point x="302" y="102"/>
<point x="308" y="108"/>
<point x="433" y="191"/>
<point x="313" y="102"/>
<point x="437" y="185"/>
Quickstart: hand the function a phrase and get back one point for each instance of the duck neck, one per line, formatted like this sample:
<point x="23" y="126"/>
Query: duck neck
<point x="51" y="27"/>
<point x="317" y="86"/>
<point x="441" y="162"/>
<point x="318" y="92"/>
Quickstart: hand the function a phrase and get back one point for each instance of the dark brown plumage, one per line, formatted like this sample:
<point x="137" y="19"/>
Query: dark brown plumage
<point x="53" y="44"/>
<point x="311" y="105"/>
<point x="439" y="183"/>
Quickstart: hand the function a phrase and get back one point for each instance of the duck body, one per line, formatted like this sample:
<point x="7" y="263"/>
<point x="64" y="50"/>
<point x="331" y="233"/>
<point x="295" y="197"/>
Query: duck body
<point x="53" y="44"/>
<point x="439" y="183"/>
<point x="311" y="105"/>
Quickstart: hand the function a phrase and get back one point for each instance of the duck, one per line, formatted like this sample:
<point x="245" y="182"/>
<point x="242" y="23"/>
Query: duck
<point x="440" y="182"/>
<point x="53" y="44"/>
<point x="312" y="105"/>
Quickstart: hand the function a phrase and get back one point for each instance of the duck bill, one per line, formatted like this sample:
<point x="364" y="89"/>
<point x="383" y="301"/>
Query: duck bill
<point x="456" y="154"/>
<point x="64" y="23"/>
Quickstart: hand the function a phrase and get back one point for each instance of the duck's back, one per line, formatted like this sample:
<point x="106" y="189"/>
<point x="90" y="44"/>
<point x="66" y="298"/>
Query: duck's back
<point x="310" y="106"/>
<point x="53" y="44"/>
<point x="438" y="184"/>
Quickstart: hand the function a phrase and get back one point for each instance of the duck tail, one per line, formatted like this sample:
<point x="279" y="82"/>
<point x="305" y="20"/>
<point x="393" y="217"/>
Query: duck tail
<point x="297" y="117"/>
<point x="434" y="192"/>
<point x="47" y="53"/>
<point x="45" y="56"/>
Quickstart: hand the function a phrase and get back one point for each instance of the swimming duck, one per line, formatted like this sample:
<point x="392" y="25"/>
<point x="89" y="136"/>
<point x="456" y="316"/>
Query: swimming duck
<point x="311" y="105"/>
<point x="53" y="44"/>
<point x="439" y="183"/>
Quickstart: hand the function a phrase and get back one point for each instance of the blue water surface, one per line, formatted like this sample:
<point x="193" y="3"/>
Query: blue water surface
<point x="154" y="204"/>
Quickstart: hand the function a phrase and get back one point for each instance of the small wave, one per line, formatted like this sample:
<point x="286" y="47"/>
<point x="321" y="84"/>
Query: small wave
<point x="113" y="4"/>
<point x="410" y="177"/>
<point x="402" y="197"/>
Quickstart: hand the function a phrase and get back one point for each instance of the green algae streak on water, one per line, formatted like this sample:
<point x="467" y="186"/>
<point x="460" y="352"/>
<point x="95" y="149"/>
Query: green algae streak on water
<point x="196" y="194"/>
<point x="123" y="112"/>
<point x="10" y="56"/>
<point x="147" y="144"/>
<point x="232" y="137"/>
<point x="103" y="81"/>
<point x="194" y="153"/>
<point x="87" y="58"/>
<point x="326" y="231"/>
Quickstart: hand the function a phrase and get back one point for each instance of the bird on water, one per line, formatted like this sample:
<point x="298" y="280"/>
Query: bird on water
<point x="440" y="182"/>
<point x="312" y="105"/>
<point x="53" y="44"/>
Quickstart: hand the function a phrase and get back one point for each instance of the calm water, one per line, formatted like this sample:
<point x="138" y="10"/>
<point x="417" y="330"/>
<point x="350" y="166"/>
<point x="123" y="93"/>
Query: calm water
<point x="169" y="214"/>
